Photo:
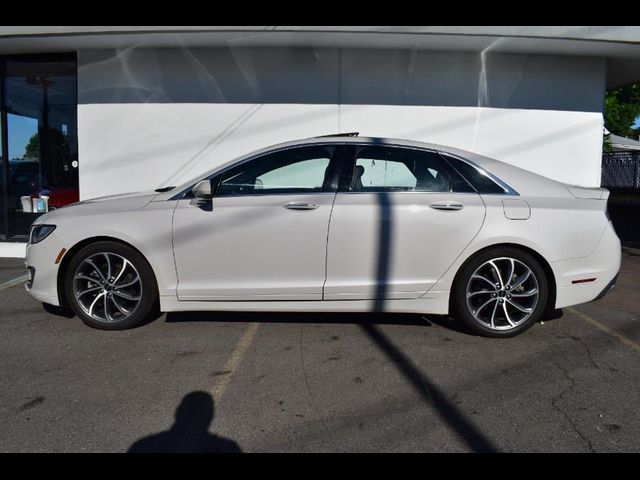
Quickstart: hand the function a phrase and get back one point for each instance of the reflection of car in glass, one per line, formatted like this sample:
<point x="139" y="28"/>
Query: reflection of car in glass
<point x="334" y="224"/>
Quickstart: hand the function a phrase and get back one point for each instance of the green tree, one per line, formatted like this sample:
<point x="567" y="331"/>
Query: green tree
<point x="621" y="108"/>
<point x="32" y="149"/>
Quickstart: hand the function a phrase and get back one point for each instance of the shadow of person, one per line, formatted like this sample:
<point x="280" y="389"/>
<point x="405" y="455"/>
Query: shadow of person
<point x="190" y="432"/>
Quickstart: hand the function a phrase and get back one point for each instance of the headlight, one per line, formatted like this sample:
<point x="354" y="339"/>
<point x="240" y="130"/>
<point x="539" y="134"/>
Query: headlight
<point x="40" y="232"/>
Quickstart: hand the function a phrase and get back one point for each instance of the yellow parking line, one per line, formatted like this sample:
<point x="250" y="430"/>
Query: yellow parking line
<point x="621" y="338"/>
<point x="233" y="361"/>
<point x="13" y="282"/>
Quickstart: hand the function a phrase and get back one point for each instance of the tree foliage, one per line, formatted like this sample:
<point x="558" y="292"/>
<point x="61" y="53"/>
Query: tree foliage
<point x="32" y="149"/>
<point x="621" y="108"/>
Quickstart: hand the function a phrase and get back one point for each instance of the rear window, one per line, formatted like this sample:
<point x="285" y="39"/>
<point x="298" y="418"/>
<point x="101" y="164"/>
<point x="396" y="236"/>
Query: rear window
<point x="475" y="176"/>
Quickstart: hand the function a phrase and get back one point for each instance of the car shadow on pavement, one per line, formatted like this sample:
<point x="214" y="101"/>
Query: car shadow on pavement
<point x="58" y="311"/>
<point x="190" y="431"/>
<point x="304" y="317"/>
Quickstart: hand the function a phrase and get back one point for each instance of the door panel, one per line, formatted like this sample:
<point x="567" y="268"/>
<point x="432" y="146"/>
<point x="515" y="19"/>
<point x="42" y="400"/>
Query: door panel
<point x="400" y="219"/>
<point x="395" y="245"/>
<point x="264" y="235"/>
<point x="252" y="248"/>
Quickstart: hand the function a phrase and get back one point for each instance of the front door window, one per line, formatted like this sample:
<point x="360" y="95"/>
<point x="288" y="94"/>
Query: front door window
<point x="293" y="171"/>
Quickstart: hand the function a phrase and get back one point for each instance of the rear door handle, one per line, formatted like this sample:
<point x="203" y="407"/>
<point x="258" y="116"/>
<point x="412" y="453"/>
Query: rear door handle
<point x="446" y="206"/>
<point x="301" y="206"/>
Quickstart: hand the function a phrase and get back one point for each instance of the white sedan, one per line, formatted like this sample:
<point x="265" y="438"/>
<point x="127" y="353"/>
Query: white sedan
<point x="339" y="223"/>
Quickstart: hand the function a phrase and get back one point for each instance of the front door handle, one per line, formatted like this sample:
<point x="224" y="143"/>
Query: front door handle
<point x="301" y="206"/>
<point x="446" y="206"/>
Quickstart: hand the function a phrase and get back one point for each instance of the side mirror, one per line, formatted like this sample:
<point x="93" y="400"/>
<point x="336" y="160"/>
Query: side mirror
<point x="202" y="190"/>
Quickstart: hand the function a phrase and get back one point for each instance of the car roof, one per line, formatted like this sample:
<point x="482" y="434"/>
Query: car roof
<point x="349" y="139"/>
<point x="482" y="161"/>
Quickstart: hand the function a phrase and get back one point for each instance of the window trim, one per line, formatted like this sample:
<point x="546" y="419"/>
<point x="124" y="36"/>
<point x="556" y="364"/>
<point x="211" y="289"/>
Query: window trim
<point x="508" y="190"/>
<point x="7" y="229"/>
<point x="339" y="160"/>
<point x="347" y="176"/>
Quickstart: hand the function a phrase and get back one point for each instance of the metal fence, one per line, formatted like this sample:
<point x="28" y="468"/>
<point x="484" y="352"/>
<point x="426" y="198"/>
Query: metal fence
<point x="621" y="170"/>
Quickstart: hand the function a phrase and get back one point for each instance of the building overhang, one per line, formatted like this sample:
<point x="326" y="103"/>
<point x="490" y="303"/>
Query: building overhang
<point x="619" y="46"/>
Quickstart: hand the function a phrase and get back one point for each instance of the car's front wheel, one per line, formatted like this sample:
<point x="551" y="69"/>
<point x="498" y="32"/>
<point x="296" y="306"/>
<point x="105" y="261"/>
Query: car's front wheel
<point x="500" y="292"/>
<point x="110" y="286"/>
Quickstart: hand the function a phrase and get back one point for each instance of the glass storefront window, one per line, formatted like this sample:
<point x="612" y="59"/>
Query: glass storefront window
<point x="40" y="151"/>
<point x="3" y="173"/>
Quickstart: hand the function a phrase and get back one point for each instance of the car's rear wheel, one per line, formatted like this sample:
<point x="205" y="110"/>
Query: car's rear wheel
<point x="111" y="286"/>
<point x="501" y="292"/>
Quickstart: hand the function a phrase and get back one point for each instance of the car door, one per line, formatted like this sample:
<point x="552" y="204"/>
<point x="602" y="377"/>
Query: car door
<point x="263" y="236"/>
<point x="400" y="219"/>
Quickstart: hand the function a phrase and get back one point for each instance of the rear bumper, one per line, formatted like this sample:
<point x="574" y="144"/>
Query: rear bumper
<point x="602" y="265"/>
<point x="607" y="289"/>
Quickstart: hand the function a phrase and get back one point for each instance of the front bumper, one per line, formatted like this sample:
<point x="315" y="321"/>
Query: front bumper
<point x="40" y="262"/>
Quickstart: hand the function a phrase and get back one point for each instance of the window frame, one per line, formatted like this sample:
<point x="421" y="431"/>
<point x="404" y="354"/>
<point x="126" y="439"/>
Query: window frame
<point x="335" y="163"/>
<point x="508" y="190"/>
<point x="349" y="164"/>
<point x="346" y="180"/>
<point x="10" y="231"/>
<point x="344" y="158"/>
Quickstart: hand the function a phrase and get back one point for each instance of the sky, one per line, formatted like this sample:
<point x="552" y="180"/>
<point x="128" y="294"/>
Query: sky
<point x="20" y="131"/>
<point x="637" y="124"/>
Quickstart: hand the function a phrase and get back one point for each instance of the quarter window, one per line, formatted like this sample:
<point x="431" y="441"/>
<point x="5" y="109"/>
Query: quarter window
<point x="476" y="177"/>
<point x="299" y="170"/>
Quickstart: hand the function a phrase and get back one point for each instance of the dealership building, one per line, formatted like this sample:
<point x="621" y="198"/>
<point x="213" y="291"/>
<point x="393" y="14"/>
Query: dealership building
<point x="94" y="111"/>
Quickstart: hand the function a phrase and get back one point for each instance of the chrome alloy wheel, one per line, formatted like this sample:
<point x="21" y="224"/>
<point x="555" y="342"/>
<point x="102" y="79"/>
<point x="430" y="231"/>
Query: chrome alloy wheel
<point x="502" y="293"/>
<point x="107" y="287"/>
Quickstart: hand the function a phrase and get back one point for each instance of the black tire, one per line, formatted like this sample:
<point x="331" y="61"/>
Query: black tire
<point x="462" y="309"/>
<point x="146" y="289"/>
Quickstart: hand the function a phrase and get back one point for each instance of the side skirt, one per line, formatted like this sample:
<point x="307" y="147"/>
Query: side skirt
<point x="436" y="303"/>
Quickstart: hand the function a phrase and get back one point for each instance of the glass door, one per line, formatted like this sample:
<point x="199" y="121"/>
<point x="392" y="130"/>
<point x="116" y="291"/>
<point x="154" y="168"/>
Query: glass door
<point x="4" y="221"/>
<point x="39" y="149"/>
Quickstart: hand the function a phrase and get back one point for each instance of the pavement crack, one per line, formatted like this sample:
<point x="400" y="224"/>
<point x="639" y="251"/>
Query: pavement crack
<point x="587" y="349"/>
<point x="555" y="400"/>
<point x="561" y="335"/>
<point x="584" y="345"/>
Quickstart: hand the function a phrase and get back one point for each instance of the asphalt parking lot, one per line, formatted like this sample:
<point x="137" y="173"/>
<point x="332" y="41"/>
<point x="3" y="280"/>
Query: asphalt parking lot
<point x="321" y="382"/>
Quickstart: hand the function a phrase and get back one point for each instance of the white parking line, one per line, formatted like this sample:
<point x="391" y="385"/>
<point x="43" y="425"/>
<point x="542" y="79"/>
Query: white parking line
<point x="621" y="338"/>
<point x="233" y="361"/>
<point x="14" y="282"/>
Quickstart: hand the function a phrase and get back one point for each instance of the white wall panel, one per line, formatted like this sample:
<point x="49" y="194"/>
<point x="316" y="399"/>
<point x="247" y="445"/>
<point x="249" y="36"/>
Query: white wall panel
<point x="133" y="147"/>
<point x="564" y="146"/>
<point x="149" y="117"/>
